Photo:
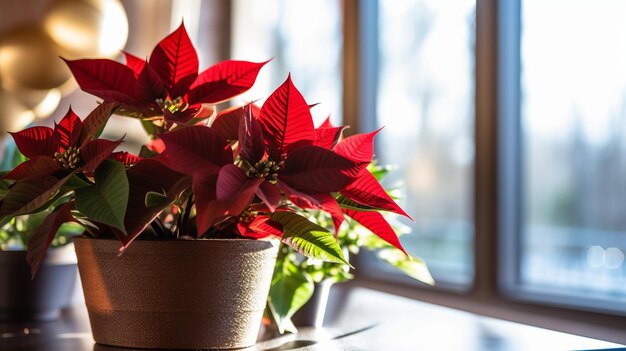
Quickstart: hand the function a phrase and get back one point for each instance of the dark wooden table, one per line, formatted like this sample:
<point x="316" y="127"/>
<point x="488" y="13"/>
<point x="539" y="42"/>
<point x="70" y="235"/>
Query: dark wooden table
<point x="360" y="319"/>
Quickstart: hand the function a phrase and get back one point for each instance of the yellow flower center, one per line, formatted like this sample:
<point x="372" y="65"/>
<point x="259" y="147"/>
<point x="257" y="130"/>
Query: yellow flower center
<point x="69" y="158"/>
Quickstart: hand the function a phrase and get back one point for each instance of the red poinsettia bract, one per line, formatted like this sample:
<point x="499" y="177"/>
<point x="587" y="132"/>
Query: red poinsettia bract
<point x="167" y="84"/>
<point x="278" y="156"/>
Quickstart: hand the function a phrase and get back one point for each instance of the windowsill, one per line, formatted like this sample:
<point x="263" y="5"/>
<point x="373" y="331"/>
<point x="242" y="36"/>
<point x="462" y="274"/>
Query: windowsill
<point x="357" y="319"/>
<point x="591" y="325"/>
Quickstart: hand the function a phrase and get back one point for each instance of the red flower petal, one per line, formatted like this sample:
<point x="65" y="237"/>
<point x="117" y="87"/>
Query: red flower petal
<point x="107" y="79"/>
<point x="134" y="63"/>
<point x="327" y="123"/>
<point x="286" y="120"/>
<point x="251" y="143"/>
<point x="95" y="152"/>
<point x="192" y="149"/>
<point x="367" y="191"/>
<point x="270" y="195"/>
<point x="261" y="227"/>
<point x="176" y="61"/>
<point x="327" y="137"/>
<point x="68" y="130"/>
<point x="181" y="117"/>
<point x="375" y="222"/>
<point x="224" y="81"/>
<point x="149" y="86"/>
<point x="358" y="147"/>
<point x="229" y="181"/>
<point x="227" y="122"/>
<point x="229" y="195"/>
<point x="126" y="158"/>
<point x="324" y="202"/>
<point x="34" y="168"/>
<point x="145" y="176"/>
<point x="95" y="121"/>
<point x="35" y="141"/>
<point x="45" y="233"/>
<point x="315" y="169"/>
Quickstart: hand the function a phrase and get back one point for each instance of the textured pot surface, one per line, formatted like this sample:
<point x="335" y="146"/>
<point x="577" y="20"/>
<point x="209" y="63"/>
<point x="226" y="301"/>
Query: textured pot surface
<point x="176" y="294"/>
<point x="39" y="299"/>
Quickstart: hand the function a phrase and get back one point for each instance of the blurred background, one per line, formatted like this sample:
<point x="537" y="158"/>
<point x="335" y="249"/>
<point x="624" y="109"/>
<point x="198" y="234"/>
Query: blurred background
<point x="407" y="65"/>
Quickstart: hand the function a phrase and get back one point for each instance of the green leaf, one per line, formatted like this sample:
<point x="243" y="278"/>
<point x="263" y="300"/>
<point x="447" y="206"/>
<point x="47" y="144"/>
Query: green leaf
<point x="4" y="184"/>
<point x="344" y="202"/>
<point x="308" y="238"/>
<point x="412" y="266"/>
<point x="154" y="198"/>
<point x="30" y="196"/>
<point x="144" y="152"/>
<point x="107" y="199"/>
<point x="75" y="182"/>
<point x="18" y="158"/>
<point x="291" y="288"/>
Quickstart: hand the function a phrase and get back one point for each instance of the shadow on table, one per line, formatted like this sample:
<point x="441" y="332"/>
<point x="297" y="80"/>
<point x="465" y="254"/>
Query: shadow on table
<point x="289" y="345"/>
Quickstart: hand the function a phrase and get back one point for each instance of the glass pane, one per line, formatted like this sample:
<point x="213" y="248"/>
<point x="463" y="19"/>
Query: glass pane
<point x="574" y="147"/>
<point x="426" y="103"/>
<point x="301" y="37"/>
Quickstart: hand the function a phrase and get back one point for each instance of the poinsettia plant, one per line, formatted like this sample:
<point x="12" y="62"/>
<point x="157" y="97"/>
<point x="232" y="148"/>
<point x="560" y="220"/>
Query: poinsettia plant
<point x="245" y="172"/>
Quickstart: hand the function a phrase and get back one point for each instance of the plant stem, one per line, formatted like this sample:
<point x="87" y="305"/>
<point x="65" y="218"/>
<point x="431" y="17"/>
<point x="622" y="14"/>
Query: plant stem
<point x="185" y="223"/>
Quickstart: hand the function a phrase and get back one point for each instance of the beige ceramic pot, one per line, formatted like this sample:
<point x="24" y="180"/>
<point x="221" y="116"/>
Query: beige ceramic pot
<point x="176" y="294"/>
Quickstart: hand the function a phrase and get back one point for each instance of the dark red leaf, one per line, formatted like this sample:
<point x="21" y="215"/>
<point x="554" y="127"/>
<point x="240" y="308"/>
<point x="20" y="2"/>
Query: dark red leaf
<point x="145" y="176"/>
<point x="27" y="196"/>
<point x="327" y="123"/>
<point x="315" y="169"/>
<point x="126" y="158"/>
<point x="95" y="152"/>
<point x="45" y="233"/>
<point x="134" y="63"/>
<point x="328" y="204"/>
<point x="251" y="143"/>
<point x="176" y="61"/>
<point x="243" y="198"/>
<point x="229" y="181"/>
<point x="181" y="117"/>
<point x="224" y="81"/>
<point x="358" y="147"/>
<point x="227" y="123"/>
<point x="301" y="199"/>
<point x="375" y="222"/>
<point x="367" y="191"/>
<point x="156" y="145"/>
<point x="68" y="130"/>
<point x="34" y="168"/>
<point x="269" y="194"/>
<point x="35" y="141"/>
<point x="95" y="121"/>
<point x="228" y="195"/>
<point x="149" y="86"/>
<point x="207" y="209"/>
<point x="197" y="148"/>
<point x="286" y="120"/>
<point x="327" y="137"/>
<point x="107" y="79"/>
<point x="260" y="227"/>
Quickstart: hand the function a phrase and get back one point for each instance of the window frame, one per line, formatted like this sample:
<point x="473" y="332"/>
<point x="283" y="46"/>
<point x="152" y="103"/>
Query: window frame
<point x="495" y="290"/>
<point x="511" y="177"/>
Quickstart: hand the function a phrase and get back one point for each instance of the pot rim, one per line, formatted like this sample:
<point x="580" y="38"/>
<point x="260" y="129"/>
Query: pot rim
<point x="204" y="240"/>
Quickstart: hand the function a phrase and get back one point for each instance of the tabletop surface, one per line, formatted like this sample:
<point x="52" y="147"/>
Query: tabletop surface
<point x="361" y="319"/>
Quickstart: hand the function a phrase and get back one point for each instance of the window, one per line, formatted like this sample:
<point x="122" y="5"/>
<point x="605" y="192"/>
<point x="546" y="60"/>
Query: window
<point x="425" y="101"/>
<point x="505" y="126"/>
<point x="303" y="38"/>
<point x="572" y="233"/>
